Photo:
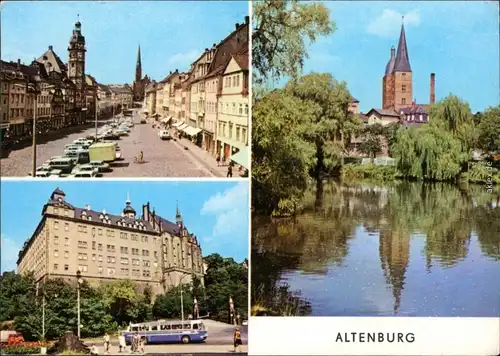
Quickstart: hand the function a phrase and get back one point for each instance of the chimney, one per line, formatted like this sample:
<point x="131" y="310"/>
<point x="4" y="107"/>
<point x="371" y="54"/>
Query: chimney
<point x="153" y="215"/>
<point x="247" y="20"/>
<point x="177" y="71"/>
<point x="87" y="207"/>
<point x="50" y="47"/>
<point x="433" y="88"/>
<point x="237" y="25"/>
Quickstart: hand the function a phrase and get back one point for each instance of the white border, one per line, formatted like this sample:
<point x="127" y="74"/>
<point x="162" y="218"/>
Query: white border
<point x="318" y="336"/>
<point x="128" y="179"/>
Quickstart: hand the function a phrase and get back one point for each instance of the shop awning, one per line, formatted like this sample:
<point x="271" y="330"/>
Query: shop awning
<point x="165" y="120"/>
<point x="177" y="124"/>
<point x="156" y="114"/>
<point x="191" y="131"/>
<point x="182" y="126"/>
<point x="242" y="157"/>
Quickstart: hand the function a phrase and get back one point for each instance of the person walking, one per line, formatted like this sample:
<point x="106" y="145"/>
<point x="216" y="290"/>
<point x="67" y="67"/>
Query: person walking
<point x="142" y="345"/>
<point x="121" y="342"/>
<point x="230" y="170"/>
<point x="218" y="159"/>
<point x="237" y="340"/>
<point x="106" y="343"/>
<point x="135" y="342"/>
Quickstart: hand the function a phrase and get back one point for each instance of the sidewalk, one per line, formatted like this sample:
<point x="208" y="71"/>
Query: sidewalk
<point x="175" y="348"/>
<point x="207" y="159"/>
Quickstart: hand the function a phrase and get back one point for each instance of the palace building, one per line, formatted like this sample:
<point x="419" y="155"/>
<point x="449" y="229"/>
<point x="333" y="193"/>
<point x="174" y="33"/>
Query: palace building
<point x="148" y="249"/>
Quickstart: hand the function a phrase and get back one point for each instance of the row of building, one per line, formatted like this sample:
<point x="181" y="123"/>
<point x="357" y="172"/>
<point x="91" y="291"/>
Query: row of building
<point x="64" y="94"/>
<point x="209" y="102"/>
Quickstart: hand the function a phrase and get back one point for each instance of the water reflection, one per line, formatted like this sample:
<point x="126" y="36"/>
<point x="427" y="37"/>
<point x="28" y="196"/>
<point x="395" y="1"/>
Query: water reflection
<point x="407" y="249"/>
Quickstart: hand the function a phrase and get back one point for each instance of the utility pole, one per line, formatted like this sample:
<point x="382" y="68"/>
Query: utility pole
<point x="43" y="315"/>
<point x="33" y="168"/>
<point x="182" y="308"/>
<point x="96" y="100"/>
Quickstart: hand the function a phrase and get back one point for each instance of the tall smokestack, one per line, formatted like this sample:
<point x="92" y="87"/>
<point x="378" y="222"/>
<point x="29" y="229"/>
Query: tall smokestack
<point x="433" y="88"/>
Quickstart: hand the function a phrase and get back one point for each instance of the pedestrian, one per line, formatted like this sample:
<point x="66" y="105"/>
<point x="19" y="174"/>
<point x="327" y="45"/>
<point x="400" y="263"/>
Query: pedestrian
<point x="230" y="171"/>
<point x="223" y="159"/>
<point x="135" y="342"/>
<point x="218" y="159"/>
<point x="142" y="344"/>
<point x="237" y="340"/>
<point x="121" y="342"/>
<point x="93" y="350"/>
<point x="106" y="342"/>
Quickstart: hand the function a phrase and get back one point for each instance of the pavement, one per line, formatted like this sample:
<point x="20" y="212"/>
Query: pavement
<point x="162" y="158"/>
<point x="220" y="340"/>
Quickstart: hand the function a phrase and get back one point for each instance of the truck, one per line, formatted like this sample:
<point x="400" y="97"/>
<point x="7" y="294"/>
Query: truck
<point x="103" y="151"/>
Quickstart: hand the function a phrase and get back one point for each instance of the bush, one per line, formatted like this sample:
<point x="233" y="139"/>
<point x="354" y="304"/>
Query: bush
<point x="482" y="172"/>
<point x="370" y="171"/>
<point x="286" y="208"/>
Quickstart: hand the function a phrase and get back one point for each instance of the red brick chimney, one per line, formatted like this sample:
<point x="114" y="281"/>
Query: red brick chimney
<point x="433" y="88"/>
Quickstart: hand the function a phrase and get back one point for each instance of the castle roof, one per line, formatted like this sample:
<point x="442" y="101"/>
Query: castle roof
<point x="402" y="62"/>
<point x="389" y="68"/>
<point x="51" y="61"/>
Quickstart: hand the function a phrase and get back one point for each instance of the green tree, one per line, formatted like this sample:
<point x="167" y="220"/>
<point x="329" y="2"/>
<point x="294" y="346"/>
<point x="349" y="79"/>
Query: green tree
<point x="16" y="294"/>
<point x="489" y="130"/>
<point x="281" y="156"/>
<point x="329" y="101"/>
<point x="121" y="299"/>
<point x="371" y="144"/>
<point x="280" y="30"/>
<point x="168" y="305"/>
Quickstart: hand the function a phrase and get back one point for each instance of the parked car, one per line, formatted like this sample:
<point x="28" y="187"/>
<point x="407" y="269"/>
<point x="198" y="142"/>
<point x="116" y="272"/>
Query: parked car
<point x="44" y="168"/>
<point x="164" y="135"/>
<point x="100" y="165"/>
<point x="81" y="174"/>
<point x="143" y="121"/>
<point x="85" y="168"/>
<point x="79" y="157"/>
<point x="65" y="164"/>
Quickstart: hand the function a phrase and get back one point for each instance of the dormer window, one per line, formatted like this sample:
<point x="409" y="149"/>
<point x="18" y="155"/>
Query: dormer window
<point x="59" y="199"/>
<point x="89" y="217"/>
<point x="84" y="213"/>
<point x="119" y="223"/>
<point x="129" y="225"/>
<point x="101" y="216"/>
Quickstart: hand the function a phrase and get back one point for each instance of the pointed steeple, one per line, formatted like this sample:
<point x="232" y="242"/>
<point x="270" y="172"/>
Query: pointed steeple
<point x="178" y="216"/>
<point x="402" y="63"/>
<point x="138" y="66"/>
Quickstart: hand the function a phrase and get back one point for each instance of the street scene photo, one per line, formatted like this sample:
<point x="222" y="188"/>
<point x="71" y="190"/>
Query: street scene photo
<point x="382" y="196"/>
<point x="124" y="89"/>
<point x="104" y="267"/>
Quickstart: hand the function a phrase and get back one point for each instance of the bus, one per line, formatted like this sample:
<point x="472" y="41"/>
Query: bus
<point x="168" y="331"/>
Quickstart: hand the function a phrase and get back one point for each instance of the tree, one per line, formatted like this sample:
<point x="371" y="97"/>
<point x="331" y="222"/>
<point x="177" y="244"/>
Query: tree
<point x="329" y="101"/>
<point x="168" y="305"/>
<point x="281" y="156"/>
<point x="371" y="145"/>
<point x="121" y="299"/>
<point x="280" y="30"/>
<point x="489" y="130"/>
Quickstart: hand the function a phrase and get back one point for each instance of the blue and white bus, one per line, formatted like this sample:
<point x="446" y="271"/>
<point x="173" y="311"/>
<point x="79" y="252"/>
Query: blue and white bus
<point x="168" y="331"/>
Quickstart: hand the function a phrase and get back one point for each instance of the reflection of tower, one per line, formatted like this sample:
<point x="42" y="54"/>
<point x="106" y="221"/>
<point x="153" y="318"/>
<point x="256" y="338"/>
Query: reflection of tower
<point x="394" y="252"/>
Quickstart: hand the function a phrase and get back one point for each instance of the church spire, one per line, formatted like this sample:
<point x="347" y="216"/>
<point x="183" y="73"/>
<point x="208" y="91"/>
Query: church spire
<point x="402" y="63"/>
<point x="138" y="66"/>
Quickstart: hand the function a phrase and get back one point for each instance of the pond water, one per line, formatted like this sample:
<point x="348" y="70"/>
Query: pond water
<point x="410" y="249"/>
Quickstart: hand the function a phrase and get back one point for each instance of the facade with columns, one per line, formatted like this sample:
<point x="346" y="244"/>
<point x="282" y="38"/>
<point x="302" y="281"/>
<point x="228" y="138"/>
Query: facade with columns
<point x="148" y="249"/>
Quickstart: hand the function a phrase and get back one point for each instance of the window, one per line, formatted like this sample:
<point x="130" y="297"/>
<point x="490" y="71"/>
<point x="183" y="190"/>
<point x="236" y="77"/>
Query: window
<point x="66" y="254"/>
<point x="124" y="271"/>
<point x="66" y="227"/>
<point x="123" y="249"/>
<point x="246" y="109"/>
<point x="241" y="109"/>
<point x="93" y="257"/>
<point x="111" y="259"/>
<point x="99" y="232"/>
<point x="56" y="266"/>
<point x="82" y="244"/>
<point x="123" y="235"/>
<point x="144" y="238"/>
<point x="56" y="225"/>
<point x="99" y="247"/>
<point x="56" y="211"/>
<point x="133" y="237"/>
<point x="66" y="267"/>
<point x="66" y="241"/>
<point x="124" y="261"/>
<point x="56" y="253"/>
<point x="135" y="251"/>
<point x="93" y="245"/>
<point x="56" y="240"/>
<point x="403" y="101"/>
<point x="111" y="271"/>
<point x="156" y="254"/>
<point x="99" y="270"/>
<point x="135" y="262"/>
<point x="145" y="273"/>
<point x="244" y="135"/>
<point x="145" y="263"/>
<point x="145" y="252"/>
<point x="111" y="248"/>
<point x="99" y="258"/>
<point x="154" y="240"/>
<point x="82" y="268"/>
<point x="403" y="88"/>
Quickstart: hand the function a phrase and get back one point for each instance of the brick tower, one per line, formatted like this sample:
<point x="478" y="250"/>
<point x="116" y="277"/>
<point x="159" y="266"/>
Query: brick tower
<point x="397" y="87"/>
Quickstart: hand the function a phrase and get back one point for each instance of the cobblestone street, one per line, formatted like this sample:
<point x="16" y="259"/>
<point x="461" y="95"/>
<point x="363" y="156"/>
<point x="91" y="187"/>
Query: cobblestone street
<point x="162" y="158"/>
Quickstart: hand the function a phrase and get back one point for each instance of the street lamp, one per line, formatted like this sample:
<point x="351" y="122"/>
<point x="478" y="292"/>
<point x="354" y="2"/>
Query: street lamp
<point x="97" y="98"/>
<point x="79" y="281"/>
<point x="33" y="88"/>
<point x="182" y="298"/>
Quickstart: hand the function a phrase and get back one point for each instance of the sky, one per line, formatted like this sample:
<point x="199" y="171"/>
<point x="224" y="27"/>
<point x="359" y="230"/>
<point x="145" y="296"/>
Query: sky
<point x="172" y="34"/>
<point x="459" y="41"/>
<point x="216" y="212"/>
